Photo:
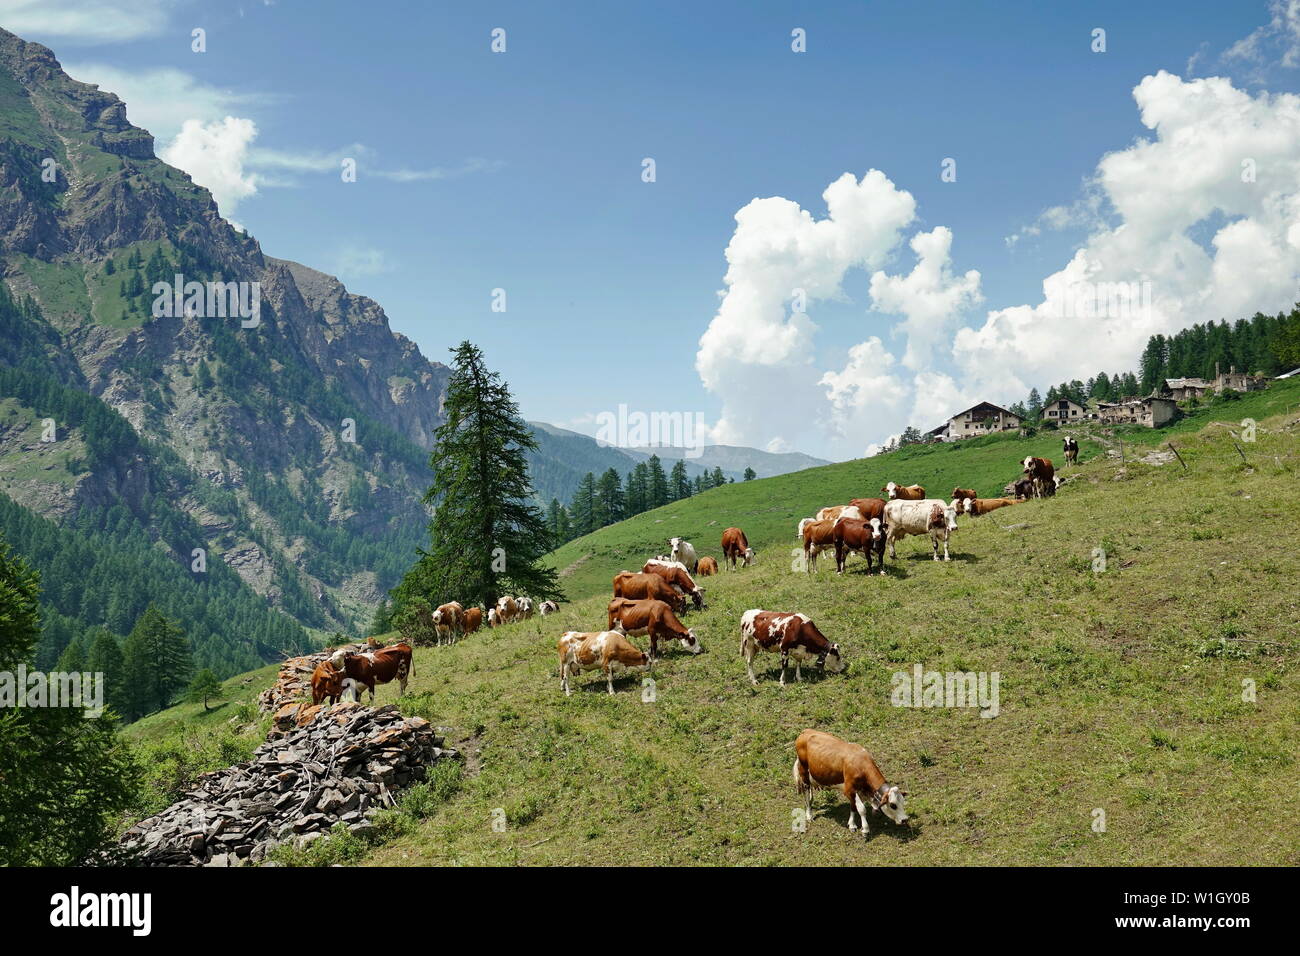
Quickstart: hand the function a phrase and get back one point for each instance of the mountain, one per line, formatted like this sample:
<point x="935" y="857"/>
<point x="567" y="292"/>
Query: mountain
<point x="732" y="459"/>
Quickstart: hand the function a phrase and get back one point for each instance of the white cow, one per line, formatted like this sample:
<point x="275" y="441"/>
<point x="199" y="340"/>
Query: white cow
<point x="683" y="551"/>
<point x="930" y="516"/>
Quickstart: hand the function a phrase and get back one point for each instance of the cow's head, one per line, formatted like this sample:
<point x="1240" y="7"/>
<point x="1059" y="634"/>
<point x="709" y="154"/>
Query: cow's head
<point x="890" y="800"/>
<point x="437" y="617"/>
<point x="834" y="660"/>
<point x="877" y="529"/>
<point x="750" y="555"/>
<point x="890" y="490"/>
<point x="697" y="598"/>
<point x="691" y="642"/>
<point x="1028" y="464"/>
<point x="337" y="659"/>
<point x="960" y="505"/>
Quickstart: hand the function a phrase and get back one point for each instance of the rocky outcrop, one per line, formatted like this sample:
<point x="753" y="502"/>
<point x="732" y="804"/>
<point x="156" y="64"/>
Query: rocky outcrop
<point x="338" y="769"/>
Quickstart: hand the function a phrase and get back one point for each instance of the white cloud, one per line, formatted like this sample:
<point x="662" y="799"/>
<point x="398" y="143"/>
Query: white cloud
<point x="360" y="262"/>
<point x="86" y="21"/>
<point x="757" y="353"/>
<point x="1172" y="218"/>
<point x="930" y="297"/>
<point x="214" y="154"/>
<point x="1279" y="37"/>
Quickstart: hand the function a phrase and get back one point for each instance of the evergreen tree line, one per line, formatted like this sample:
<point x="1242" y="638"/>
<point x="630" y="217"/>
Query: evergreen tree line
<point x="612" y="497"/>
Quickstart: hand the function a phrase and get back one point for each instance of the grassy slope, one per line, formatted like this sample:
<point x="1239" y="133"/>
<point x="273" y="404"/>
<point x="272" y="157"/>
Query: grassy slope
<point x="1120" y="690"/>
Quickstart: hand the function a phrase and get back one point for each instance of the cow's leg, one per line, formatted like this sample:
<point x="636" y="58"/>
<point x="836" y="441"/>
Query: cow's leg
<point x="862" y="813"/>
<point x="609" y="679"/>
<point x="785" y="659"/>
<point x="748" y="650"/>
<point x="934" y="545"/>
<point x="946" y="555"/>
<point x="564" y="679"/>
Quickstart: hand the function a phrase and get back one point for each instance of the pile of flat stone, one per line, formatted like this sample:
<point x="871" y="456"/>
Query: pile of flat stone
<point x="345" y="764"/>
<point x="289" y="698"/>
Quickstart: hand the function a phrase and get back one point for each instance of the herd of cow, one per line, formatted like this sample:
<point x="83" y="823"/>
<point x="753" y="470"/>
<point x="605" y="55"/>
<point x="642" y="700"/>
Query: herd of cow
<point x="647" y="603"/>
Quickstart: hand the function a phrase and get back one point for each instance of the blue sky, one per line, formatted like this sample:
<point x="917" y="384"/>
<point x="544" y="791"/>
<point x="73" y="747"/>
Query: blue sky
<point x="522" y="170"/>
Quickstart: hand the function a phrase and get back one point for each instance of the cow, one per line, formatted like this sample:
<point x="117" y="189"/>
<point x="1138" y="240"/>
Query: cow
<point x="471" y="620"/>
<point x="1071" y="448"/>
<point x="836" y="512"/>
<point x="1040" y="472"/>
<point x="817" y="537"/>
<point x="611" y="651"/>
<point x="708" y="567"/>
<point x="507" y="609"/>
<point x="981" y="506"/>
<point x="648" y="587"/>
<point x="1023" y="488"/>
<point x="376" y="667"/>
<point x="930" y="516"/>
<point x="792" y="635"/>
<point x="525" y="606"/>
<point x="736" y="545"/>
<point x="547" y="607"/>
<point x="684" y="551"/>
<point x="493" y="618"/>
<point x="680" y="580"/>
<point x="653" y="618"/>
<point x="326" y="682"/>
<point x="870" y="508"/>
<point x="824" y="760"/>
<point x="803" y="523"/>
<point x="961" y="494"/>
<point x="895" y="492"/>
<point x="865" y="537"/>
<point x="448" y="621"/>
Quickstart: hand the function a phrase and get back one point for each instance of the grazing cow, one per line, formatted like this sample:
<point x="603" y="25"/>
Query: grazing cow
<point x="525" y="606"/>
<point x="648" y="587"/>
<point x="376" y="667"/>
<point x="865" y="537"/>
<point x="586" y="650"/>
<point x="793" y="635"/>
<point x="817" y="537"/>
<point x="471" y="620"/>
<point x="931" y="516"/>
<point x="507" y="609"/>
<point x="654" y="618"/>
<point x="684" y="551"/>
<point x="824" y="760"/>
<point x="980" y="506"/>
<point x="1071" y="448"/>
<point x="896" y="492"/>
<point x="326" y="682"/>
<point x="547" y="607"/>
<point x="680" y="580"/>
<point x="448" y="621"/>
<point x="708" y="567"/>
<point x="1040" y="472"/>
<point x="836" y="512"/>
<point x="870" y="508"/>
<point x="736" y="545"/>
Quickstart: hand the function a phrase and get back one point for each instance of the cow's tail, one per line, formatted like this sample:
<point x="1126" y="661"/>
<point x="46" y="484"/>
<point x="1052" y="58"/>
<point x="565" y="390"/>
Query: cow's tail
<point x="800" y="784"/>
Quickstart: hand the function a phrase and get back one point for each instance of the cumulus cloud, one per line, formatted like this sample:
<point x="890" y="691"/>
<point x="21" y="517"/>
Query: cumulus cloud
<point x="1279" y="37"/>
<point x="86" y="21"/>
<point x="214" y="154"/>
<point x="757" y="351"/>
<point x="930" y="297"/>
<point x="1198" y="221"/>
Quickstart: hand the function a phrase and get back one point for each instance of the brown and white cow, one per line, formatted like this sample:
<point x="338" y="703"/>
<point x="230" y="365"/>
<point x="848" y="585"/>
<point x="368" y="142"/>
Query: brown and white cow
<point x="326" y="683"/>
<point x="824" y="760"/>
<point x="790" y="635"/>
<point x="867" y="538"/>
<point x="610" y="651"/>
<point x="836" y="512"/>
<point x="896" y="492"/>
<point x="1070" y="446"/>
<point x="369" y="668"/>
<point x="471" y="620"/>
<point x="1040" y="472"/>
<point x="818" y="536"/>
<point x="961" y="494"/>
<point x="507" y="609"/>
<point x="547" y="607"/>
<point x="982" y="506"/>
<point x="641" y="587"/>
<point x="493" y="618"/>
<point x="736" y="545"/>
<point x="448" y="621"/>
<point x="653" y="618"/>
<point x="870" y="507"/>
<point x="932" y="517"/>
<point x="707" y="567"/>
<point x="677" y="576"/>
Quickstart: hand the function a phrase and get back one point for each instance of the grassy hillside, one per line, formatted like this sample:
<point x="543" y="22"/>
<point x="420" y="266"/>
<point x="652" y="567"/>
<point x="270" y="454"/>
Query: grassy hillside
<point x="1121" y="689"/>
